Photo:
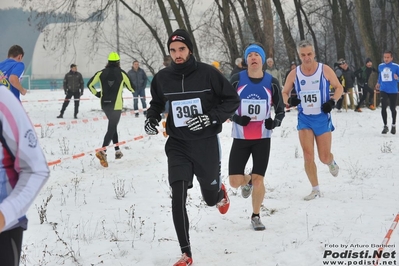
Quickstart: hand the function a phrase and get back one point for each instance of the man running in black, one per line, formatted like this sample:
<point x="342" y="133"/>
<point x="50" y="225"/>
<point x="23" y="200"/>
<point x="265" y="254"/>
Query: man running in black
<point x="200" y="100"/>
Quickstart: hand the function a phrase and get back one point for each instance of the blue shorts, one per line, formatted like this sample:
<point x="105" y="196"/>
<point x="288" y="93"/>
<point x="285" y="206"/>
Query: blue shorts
<point x="319" y="124"/>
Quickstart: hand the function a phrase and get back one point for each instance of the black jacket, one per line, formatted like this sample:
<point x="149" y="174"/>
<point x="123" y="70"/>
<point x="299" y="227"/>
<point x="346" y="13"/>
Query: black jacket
<point x="73" y="81"/>
<point x="349" y="78"/>
<point x="187" y="81"/>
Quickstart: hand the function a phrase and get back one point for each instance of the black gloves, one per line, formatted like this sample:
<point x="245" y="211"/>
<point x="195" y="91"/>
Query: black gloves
<point x="269" y="124"/>
<point x="294" y="101"/>
<point x="241" y="120"/>
<point x="66" y="92"/>
<point x="81" y="92"/>
<point x="198" y="122"/>
<point x="150" y="126"/>
<point x="328" y="106"/>
<point x="98" y="94"/>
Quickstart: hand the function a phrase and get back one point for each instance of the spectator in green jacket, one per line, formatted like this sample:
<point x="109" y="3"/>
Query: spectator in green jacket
<point x="363" y="75"/>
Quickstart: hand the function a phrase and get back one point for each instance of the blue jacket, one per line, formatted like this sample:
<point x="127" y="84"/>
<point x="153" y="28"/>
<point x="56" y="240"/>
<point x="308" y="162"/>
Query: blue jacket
<point x="386" y="78"/>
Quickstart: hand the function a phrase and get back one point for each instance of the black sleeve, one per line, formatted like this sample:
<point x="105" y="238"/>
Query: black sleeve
<point x="278" y="103"/>
<point x="82" y="83"/>
<point x="228" y="98"/>
<point x="157" y="103"/>
<point x="234" y="80"/>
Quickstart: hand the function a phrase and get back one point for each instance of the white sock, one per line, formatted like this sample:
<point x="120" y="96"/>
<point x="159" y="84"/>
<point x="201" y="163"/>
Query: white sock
<point x="316" y="188"/>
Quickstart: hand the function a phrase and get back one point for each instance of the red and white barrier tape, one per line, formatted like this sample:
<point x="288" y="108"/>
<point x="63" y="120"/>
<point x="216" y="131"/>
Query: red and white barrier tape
<point x="387" y="237"/>
<point x="79" y="155"/>
<point x="81" y="99"/>
<point x="84" y="120"/>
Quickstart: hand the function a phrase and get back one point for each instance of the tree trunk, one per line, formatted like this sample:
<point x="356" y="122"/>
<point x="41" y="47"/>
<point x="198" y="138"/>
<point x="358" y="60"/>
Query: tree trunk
<point x="314" y="38"/>
<point x="355" y="48"/>
<point x="299" y="18"/>
<point x="395" y="5"/>
<point x="268" y="27"/>
<point x="363" y="14"/>
<point x="165" y="17"/>
<point x="189" y="29"/>
<point x="238" y="21"/>
<point x="176" y="13"/>
<point x="289" y="42"/>
<point x="254" y="22"/>
<point x="228" y="31"/>
<point x="339" y="28"/>
<point x="383" y="25"/>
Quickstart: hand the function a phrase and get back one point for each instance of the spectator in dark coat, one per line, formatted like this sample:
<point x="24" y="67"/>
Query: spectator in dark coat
<point x="73" y="86"/>
<point x="138" y="78"/>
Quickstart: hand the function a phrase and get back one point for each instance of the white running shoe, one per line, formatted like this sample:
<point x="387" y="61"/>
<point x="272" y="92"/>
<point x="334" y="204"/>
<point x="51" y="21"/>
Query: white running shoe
<point x="334" y="168"/>
<point x="257" y="224"/>
<point x="246" y="190"/>
<point x="314" y="194"/>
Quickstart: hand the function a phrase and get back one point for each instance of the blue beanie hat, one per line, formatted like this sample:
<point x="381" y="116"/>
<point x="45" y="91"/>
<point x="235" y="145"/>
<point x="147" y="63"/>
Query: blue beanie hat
<point x="257" y="49"/>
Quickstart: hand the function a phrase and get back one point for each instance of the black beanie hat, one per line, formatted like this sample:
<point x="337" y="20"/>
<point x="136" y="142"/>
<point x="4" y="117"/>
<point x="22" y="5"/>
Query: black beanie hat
<point x="181" y="35"/>
<point x="368" y="60"/>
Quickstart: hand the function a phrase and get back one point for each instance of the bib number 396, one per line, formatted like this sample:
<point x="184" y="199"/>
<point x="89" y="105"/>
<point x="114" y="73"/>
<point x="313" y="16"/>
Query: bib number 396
<point x="183" y="110"/>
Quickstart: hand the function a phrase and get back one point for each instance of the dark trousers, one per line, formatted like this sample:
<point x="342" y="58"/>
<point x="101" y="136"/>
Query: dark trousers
<point x="366" y="91"/>
<point x="76" y="97"/>
<point x="136" y="95"/>
<point x="187" y="158"/>
<point x="10" y="247"/>
<point x="390" y="98"/>
<point x="112" y="133"/>
<point x="179" y="211"/>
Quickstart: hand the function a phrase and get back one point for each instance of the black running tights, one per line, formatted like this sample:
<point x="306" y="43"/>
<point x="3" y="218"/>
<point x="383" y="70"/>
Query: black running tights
<point x="113" y="120"/>
<point x="179" y="211"/>
<point x="391" y="98"/>
<point x="10" y="246"/>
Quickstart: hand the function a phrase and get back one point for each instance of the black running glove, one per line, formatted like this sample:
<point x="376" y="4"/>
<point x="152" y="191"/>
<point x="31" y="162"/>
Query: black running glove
<point x="269" y="124"/>
<point x="150" y="126"/>
<point x="294" y="101"/>
<point x="328" y="106"/>
<point x="198" y="122"/>
<point x="241" y="120"/>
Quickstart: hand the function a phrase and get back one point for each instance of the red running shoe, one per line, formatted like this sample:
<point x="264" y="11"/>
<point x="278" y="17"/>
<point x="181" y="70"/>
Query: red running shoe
<point x="184" y="261"/>
<point x="224" y="204"/>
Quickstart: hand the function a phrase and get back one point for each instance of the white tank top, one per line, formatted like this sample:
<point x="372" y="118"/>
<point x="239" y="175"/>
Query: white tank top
<point x="313" y="90"/>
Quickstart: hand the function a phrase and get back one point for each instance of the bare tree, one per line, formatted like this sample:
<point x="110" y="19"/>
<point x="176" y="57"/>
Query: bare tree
<point x="354" y="44"/>
<point x="288" y="40"/>
<point x="298" y="7"/>
<point x="252" y="17"/>
<point x="227" y="29"/>
<point x="268" y="27"/>
<point x="339" y="27"/>
<point x="366" y="29"/>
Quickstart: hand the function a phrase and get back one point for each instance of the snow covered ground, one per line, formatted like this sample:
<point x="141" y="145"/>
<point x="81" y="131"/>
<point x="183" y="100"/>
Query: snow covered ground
<point x="121" y="215"/>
